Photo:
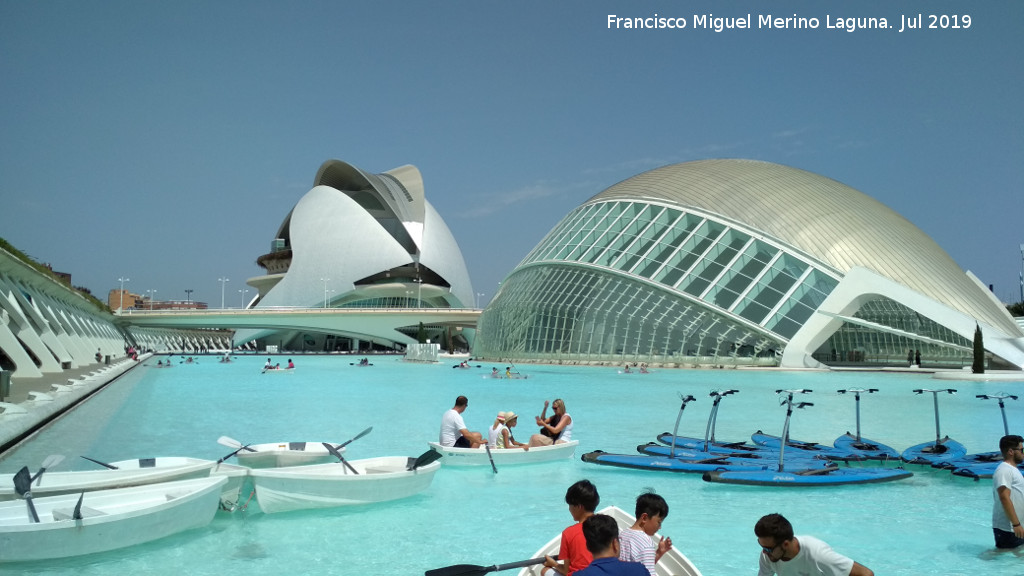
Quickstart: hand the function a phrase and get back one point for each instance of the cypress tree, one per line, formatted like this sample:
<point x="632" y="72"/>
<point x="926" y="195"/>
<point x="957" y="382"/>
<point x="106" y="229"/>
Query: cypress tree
<point x="978" y="367"/>
<point x="421" y="335"/>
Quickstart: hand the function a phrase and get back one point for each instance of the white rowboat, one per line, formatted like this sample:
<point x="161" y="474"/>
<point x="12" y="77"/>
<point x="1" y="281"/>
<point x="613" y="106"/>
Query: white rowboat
<point x="128" y="473"/>
<point x="110" y="519"/>
<point x="280" y="454"/>
<point x="673" y="563"/>
<point x="329" y="485"/>
<point x="506" y="456"/>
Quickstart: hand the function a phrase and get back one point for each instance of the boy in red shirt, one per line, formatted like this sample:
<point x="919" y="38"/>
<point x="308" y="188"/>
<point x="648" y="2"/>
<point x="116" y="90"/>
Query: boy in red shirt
<point x="582" y="498"/>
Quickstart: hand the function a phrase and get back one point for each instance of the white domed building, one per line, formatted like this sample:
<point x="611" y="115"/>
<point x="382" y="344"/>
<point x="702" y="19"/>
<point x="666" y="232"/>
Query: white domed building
<point x="745" y="262"/>
<point x="361" y="240"/>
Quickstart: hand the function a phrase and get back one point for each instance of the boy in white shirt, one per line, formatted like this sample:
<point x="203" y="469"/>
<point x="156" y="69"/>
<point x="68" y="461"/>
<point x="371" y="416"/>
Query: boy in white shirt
<point x="636" y="544"/>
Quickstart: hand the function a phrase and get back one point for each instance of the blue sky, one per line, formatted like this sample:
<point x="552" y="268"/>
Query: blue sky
<point x="166" y="141"/>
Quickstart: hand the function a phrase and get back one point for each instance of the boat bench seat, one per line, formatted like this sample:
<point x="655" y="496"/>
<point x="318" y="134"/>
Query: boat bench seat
<point x="60" y="514"/>
<point x="382" y="470"/>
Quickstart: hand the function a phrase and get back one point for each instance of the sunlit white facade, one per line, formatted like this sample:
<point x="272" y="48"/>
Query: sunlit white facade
<point x="360" y="240"/>
<point x="736" y="261"/>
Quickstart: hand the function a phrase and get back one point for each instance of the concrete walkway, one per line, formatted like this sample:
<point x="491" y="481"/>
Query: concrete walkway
<point x="35" y="401"/>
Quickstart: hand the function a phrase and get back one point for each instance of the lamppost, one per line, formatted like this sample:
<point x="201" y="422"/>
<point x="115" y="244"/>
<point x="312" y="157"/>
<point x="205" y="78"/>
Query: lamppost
<point x="325" y="281"/>
<point x="1022" y="272"/>
<point x="152" y="294"/>
<point x="222" y="281"/>
<point x="121" y="295"/>
<point x="188" y="295"/>
<point x="419" y="292"/>
<point x="243" y="292"/>
<point x="479" y="295"/>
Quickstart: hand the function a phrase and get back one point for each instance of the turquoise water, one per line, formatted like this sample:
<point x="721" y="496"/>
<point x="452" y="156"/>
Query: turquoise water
<point x="930" y="523"/>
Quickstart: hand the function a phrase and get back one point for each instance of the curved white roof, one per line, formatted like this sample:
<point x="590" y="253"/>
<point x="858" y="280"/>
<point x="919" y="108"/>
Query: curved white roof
<point x="826" y="220"/>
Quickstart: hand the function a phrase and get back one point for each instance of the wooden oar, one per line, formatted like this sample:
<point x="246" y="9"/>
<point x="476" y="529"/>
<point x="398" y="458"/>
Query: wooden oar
<point x="474" y="570"/>
<point x="337" y="454"/>
<point x="491" y="458"/>
<point x="23" y="486"/>
<point x="49" y="462"/>
<point x="104" y="464"/>
<point x="354" y="438"/>
<point x="424" y="459"/>
<point x="232" y="443"/>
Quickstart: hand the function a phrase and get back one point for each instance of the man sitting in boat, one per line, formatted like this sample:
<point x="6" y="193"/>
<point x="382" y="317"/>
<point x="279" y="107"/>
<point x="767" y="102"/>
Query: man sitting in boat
<point x="453" y="429"/>
<point x="268" y="365"/>
<point x="495" y="373"/>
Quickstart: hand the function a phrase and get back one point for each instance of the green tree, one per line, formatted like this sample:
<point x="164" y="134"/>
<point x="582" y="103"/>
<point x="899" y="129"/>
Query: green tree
<point x="978" y="367"/>
<point x="1016" y="310"/>
<point x="421" y="334"/>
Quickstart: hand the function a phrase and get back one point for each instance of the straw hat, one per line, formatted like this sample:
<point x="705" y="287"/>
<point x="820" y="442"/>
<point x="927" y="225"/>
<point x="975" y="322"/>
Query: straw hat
<point x="502" y="416"/>
<point x="510" y="416"/>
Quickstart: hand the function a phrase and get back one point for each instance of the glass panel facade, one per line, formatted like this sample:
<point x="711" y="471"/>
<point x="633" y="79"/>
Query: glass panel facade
<point x="631" y="279"/>
<point x="856" y="343"/>
<point x="573" y="313"/>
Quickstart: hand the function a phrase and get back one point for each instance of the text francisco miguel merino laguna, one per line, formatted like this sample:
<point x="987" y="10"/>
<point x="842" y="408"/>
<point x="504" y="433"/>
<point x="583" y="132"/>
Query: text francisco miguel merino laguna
<point x="794" y="22"/>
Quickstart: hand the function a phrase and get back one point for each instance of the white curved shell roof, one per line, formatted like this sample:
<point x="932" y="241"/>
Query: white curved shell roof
<point x="828" y="221"/>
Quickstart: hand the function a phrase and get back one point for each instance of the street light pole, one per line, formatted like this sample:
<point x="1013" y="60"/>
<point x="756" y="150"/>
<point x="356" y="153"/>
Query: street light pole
<point x="188" y="295"/>
<point x="325" y="281"/>
<point x="152" y="295"/>
<point x="121" y="295"/>
<point x="479" y="295"/>
<point x="222" y="281"/>
<point x="419" y="292"/>
<point x="243" y="292"/>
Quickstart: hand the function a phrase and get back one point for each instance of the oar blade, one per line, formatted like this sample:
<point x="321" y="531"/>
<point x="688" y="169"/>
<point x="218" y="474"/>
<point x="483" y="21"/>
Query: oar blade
<point x="78" y="508"/>
<point x="475" y="570"/>
<point x="23" y="486"/>
<point x="459" y="570"/>
<point x="425" y="458"/>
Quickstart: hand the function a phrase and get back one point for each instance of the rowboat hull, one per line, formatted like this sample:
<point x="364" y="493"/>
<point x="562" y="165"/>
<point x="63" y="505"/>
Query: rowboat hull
<point x="112" y="519"/>
<point x="673" y="563"/>
<point x="330" y="485"/>
<point x="281" y="454"/>
<point x="504" y="457"/>
<point x="835" y="477"/>
<point x="129" y="473"/>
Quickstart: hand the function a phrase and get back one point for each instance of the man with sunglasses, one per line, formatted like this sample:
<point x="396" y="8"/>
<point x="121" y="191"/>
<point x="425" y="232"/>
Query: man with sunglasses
<point x="1008" y="493"/>
<point x="784" y="554"/>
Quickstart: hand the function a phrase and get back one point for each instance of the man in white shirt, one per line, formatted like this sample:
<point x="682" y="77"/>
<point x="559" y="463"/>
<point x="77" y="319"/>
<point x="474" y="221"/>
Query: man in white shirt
<point x="784" y="554"/>
<point x="1008" y="494"/>
<point x="453" y="429"/>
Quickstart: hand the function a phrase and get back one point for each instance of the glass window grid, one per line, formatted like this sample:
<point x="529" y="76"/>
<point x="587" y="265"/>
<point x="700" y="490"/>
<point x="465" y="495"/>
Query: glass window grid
<point x="613" y="236"/>
<point x="580" y="241"/>
<point x="644" y="241"/>
<point x="594" y="322"/>
<point x="561" y="237"/>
